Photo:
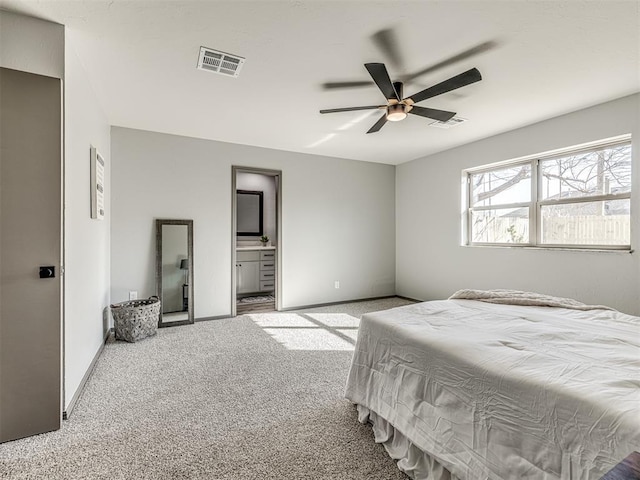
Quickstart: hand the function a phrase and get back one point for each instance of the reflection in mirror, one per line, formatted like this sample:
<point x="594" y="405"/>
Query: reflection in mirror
<point x="249" y="205"/>
<point x="174" y="271"/>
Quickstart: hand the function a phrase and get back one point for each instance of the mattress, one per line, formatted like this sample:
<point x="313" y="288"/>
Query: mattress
<point x="493" y="391"/>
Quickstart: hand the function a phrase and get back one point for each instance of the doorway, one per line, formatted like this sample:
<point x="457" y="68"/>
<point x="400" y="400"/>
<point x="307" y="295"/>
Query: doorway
<point x="256" y="241"/>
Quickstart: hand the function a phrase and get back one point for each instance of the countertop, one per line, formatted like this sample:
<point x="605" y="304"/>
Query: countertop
<point x="253" y="247"/>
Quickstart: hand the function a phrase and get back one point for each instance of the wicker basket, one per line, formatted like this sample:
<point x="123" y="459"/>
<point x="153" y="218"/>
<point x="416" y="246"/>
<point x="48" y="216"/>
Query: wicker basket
<point x="136" y="319"/>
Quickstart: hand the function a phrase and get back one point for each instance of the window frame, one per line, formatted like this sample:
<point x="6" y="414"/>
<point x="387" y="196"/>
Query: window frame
<point x="535" y="204"/>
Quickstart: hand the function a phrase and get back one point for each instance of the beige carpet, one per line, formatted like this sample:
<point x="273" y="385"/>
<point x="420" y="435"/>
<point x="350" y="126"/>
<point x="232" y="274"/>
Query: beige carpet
<point x="255" y="397"/>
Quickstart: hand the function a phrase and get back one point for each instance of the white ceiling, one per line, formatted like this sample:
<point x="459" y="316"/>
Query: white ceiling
<point x="549" y="58"/>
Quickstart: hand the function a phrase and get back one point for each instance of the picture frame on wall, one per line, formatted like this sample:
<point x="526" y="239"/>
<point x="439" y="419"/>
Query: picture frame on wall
<point x="97" y="184"/>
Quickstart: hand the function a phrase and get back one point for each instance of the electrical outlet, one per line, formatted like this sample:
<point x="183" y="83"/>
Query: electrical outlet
<point x="336" y="284"/>
<point x="133" y="295"/>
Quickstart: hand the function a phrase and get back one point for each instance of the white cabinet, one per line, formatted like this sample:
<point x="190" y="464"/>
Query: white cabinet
<point x="255" y="271"/>
<point x="248" y="272"/>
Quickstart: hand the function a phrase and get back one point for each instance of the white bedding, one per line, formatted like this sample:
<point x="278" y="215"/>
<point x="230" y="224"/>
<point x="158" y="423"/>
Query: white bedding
<point x="504" y="391"/>
<point x="531" y="299"/>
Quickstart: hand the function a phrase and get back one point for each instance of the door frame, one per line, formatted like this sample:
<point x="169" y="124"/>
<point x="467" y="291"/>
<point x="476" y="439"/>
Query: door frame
<point x="235" y="169"/>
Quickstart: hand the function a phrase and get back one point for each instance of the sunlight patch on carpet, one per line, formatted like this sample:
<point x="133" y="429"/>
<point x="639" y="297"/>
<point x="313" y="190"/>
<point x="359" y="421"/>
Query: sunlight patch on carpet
<point x="310" y="331"/>
<point x="308" y="339"/>
<point x="335" y="319"/>
<point x="349" y="332"/>
<point x="281" y="320"/>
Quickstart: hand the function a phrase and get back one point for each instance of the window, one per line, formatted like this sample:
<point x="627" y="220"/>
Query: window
<point x="580" y="198"/>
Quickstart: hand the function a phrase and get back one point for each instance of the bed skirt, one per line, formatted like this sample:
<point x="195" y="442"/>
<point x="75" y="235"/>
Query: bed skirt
<point x="411" y="460"/>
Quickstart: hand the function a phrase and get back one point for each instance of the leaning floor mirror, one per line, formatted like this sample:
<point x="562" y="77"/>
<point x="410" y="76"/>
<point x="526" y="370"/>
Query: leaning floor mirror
<point x="174" y="271"/>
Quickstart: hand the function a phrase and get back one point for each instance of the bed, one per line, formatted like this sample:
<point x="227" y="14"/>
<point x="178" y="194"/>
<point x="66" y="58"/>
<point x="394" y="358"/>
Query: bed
<point x="500" y="385"/>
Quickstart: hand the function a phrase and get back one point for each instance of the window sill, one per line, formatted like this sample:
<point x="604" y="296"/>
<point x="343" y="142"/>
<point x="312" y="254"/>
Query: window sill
<point x="557" y="249"/>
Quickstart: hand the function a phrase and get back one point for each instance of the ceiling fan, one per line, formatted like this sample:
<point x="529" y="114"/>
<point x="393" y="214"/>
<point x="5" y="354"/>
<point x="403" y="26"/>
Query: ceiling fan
<point x="398" y="107"/>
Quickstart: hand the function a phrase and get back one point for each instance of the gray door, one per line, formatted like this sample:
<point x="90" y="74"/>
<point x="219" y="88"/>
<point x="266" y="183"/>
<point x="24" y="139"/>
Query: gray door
<point x="30" y="237"/>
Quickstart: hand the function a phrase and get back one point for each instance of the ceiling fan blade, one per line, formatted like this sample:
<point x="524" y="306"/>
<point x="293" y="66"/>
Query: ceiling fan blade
<point x="386" y="40"/>
<point x="465" y="78"/>
<point x="350" y="109"/>
<point x="482" y="47"/>
<point x="355" y="84"/>
<point x="380" y="75"/>
<point x="440" y="115"/>
<point x="379" y="124"/>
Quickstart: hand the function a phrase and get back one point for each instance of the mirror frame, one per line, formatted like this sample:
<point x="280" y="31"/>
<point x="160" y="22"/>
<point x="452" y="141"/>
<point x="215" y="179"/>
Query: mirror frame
<point x="260" y="196"/>
<point x="189" y="223"/>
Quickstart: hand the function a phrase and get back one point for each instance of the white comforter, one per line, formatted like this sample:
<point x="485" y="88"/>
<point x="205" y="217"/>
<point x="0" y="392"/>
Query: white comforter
<point x="504" y="391"/>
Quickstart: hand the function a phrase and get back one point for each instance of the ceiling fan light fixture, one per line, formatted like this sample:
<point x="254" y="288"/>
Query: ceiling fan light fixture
<point x="395" y="113"/>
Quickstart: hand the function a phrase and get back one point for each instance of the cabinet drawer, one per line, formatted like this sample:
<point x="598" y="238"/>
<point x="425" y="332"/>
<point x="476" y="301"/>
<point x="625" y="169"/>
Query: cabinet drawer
<point x="248" y="256"/>
<point x="267" y="285"/>
<point x="268" y="275"/>
<point x="268" y="255"/>
<point x="267" y="265"/>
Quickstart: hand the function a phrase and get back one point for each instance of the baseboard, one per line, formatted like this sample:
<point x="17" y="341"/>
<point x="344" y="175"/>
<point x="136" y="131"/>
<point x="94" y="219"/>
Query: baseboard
<point x="329" y="304"/>
<point x="409" y="299"/>
<point x="67" y="413"/>
<point x="217" y="317"/>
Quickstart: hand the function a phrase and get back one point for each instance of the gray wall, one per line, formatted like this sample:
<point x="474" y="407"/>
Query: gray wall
<point x="337" y="218"/>
<point x="87" y="247"/>
<point x="432" y="264"/>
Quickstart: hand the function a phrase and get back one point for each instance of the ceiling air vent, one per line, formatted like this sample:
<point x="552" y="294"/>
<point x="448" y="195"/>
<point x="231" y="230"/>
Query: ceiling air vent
<point x="219" y="62"/>
<point x="449" y="123"/>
